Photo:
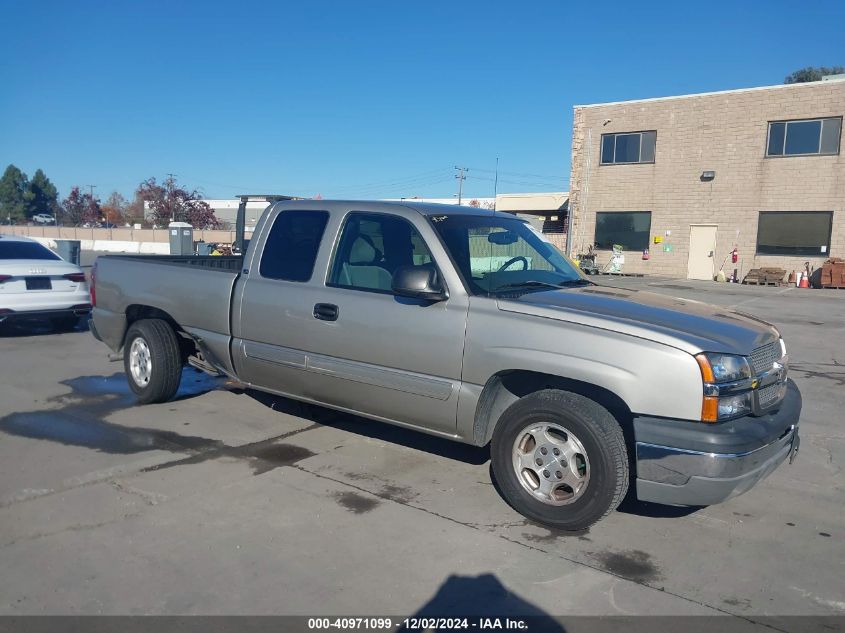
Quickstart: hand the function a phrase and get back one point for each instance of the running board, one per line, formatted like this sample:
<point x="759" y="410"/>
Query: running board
<point x="203" y="365"/>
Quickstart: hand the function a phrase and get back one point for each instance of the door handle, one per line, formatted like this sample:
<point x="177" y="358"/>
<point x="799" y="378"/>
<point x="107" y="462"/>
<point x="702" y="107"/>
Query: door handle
<point x="326" y="312"/>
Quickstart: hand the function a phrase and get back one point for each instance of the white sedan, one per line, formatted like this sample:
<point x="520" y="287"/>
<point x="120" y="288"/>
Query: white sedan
<point x="37" y="283"/>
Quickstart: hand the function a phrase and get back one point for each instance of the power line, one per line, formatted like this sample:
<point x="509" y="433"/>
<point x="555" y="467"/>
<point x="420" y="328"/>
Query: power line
<point x="518" y="173"/>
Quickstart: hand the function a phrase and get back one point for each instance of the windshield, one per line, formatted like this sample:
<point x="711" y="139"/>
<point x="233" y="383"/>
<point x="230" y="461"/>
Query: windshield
<point x="25" y="250"/>
<point x="498" y="253"/>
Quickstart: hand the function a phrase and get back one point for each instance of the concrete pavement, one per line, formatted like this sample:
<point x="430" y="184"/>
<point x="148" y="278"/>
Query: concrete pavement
<point x="225" y="501"/>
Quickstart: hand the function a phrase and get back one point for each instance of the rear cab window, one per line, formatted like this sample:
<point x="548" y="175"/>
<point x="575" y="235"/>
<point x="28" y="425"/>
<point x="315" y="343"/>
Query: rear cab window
<point x="291" y="248"/>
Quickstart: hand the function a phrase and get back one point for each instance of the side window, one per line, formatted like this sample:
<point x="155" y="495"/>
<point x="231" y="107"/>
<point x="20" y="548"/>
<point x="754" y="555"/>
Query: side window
<point x="371" y="248"/>
<point x="291" y="247"/>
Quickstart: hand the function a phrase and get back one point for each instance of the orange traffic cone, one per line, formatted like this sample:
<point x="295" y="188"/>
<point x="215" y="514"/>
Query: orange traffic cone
<point x="804" y="283"/>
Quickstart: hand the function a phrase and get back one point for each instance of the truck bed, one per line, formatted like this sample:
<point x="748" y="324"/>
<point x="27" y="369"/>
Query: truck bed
<point x="193" y="291"/>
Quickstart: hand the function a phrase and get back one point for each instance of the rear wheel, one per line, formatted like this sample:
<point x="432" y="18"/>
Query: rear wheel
<point x="560" y="459"/>
<point x="152" y="360"/>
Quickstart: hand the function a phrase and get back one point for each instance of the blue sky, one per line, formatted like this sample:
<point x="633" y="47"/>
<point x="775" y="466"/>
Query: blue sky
<point x="362" y="99"/>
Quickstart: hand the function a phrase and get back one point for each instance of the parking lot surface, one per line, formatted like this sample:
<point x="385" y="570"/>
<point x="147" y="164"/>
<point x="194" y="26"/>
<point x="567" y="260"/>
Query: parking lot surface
<point x="226" y="501"/>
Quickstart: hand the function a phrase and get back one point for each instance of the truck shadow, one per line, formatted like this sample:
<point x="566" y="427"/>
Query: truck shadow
<point x="420" y="441"/>
<point x="373" y="429"/>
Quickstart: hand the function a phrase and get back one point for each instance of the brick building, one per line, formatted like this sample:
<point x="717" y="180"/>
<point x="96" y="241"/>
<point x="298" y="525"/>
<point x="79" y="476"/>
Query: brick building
<point x="690" y="178"/>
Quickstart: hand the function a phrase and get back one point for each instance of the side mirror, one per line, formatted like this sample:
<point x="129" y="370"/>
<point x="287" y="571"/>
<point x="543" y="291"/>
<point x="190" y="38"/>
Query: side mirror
<point x="419" y="282"/>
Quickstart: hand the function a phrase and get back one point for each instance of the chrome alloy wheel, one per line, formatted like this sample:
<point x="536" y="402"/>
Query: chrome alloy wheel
<point x="551" y="463"/>
<point x="140" y="362"/>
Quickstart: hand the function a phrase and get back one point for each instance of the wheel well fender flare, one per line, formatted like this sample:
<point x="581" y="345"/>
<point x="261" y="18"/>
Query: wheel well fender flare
<point x="506" y="387"/>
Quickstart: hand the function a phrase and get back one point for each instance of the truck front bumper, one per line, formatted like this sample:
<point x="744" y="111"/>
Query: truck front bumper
<point x="697" y="464"/>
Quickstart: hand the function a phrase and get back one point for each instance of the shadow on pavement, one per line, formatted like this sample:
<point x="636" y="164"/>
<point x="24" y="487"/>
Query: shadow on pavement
<point x="480" y="597"/>
<point x="374" y="429"/>
<point x="632" y="505"/>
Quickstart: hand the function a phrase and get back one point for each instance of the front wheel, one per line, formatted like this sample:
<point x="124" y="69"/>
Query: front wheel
<point x="560" y="459"/>
<point x="152" y="360"/>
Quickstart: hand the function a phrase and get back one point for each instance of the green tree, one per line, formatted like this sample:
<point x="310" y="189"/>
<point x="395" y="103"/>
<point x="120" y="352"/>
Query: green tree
<point x="44" y="196"/>
<point x="813" y="73"/>
<point x="15" y="196"/>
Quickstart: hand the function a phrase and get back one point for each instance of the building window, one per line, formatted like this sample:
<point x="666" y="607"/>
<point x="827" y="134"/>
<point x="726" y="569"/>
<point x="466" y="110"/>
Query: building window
<point x="291" y="248"/>
<point x="805" y="233"/>
<point x="804" y="137"/>
<point x="630" y="229"/>
<point x="627" y="148"/>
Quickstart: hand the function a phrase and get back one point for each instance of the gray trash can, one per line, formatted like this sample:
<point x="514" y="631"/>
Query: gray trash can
<point x="181" y="238"/>
<point x="69" y="250"/>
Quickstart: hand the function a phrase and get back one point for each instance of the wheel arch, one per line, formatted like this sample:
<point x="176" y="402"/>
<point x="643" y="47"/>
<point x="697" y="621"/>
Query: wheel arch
<point x="506" y="387"/>
<point x="137" y="312"/>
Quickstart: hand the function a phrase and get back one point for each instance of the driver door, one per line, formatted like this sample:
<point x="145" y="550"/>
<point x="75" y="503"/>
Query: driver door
<point x="395" y="357"/>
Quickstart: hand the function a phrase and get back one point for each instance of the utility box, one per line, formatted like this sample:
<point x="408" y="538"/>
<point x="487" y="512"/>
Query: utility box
<point x="181" y="238"/>
<point x="69" y="250"/>
<point x="204" y="248"/>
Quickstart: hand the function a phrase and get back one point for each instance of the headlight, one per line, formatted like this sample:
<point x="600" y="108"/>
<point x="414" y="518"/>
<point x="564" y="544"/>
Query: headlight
<point x="734" y="406"/>
<point x="782" y="348"/>
<point x="726" y="367"/>
<point x="723" y="400"/>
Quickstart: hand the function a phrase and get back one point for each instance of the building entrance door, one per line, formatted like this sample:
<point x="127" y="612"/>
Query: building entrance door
<point x="702" y="251"/>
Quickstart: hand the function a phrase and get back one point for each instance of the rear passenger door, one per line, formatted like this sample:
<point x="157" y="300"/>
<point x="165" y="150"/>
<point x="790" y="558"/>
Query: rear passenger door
<point x="393" y="357"/>
<point x="274" y="310"/>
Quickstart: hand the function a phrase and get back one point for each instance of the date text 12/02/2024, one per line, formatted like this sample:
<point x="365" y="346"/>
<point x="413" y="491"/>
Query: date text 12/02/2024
<point x="419" y="624"/>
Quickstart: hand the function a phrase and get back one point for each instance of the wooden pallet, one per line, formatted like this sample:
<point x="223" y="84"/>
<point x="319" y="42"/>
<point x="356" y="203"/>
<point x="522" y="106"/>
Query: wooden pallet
<point x="762" y="282"/>
<point x="765" y="277"/>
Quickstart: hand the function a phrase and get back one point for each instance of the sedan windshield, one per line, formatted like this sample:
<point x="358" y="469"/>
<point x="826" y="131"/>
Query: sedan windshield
<point x="496" y="254"/>
<point x="25" y="250"/>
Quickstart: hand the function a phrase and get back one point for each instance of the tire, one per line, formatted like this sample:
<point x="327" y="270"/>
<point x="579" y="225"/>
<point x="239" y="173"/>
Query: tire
<point x="151" y="346"/>
<point x="591" y="458"/>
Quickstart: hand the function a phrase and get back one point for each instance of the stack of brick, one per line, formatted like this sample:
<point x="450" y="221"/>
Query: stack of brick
<point x="833" y="273"/>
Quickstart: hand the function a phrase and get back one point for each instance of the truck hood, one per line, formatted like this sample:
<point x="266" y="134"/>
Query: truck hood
<point x="689" y="325"/>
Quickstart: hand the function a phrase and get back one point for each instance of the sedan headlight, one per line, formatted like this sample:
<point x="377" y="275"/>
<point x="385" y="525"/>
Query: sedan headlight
<point x="727" y="385"/>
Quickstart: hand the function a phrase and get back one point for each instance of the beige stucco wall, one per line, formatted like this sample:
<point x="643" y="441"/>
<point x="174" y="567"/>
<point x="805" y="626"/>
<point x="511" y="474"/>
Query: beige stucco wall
<point x="725" y="132"/>
<point x="130" y="235"/>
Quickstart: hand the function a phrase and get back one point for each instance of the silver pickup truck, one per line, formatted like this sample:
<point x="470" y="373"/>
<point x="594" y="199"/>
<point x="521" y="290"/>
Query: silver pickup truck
<point x="470" y="325"/>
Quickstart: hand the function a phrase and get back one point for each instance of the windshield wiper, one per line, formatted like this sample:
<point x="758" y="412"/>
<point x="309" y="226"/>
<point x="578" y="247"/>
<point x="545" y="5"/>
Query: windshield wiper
<point x="532" y="283"/>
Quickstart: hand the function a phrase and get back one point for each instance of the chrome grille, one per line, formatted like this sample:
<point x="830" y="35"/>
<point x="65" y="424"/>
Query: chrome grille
<point x="768" y="394"/>
<point x="764" y="357"/>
